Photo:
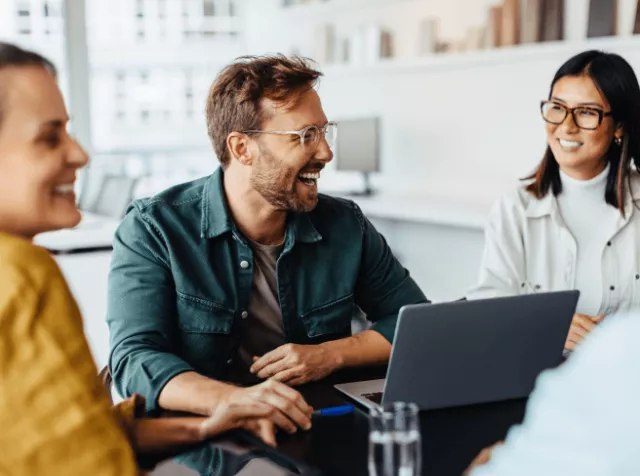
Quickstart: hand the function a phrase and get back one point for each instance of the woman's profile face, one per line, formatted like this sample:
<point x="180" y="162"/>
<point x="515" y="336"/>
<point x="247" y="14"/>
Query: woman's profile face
<point x="580" y="152"/>
<point x="38" y="158"/>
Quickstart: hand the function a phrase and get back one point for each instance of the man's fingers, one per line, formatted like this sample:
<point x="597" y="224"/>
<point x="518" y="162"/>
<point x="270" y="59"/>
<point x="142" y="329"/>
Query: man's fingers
<point x="296" y="381"/>
<point x="284" y="421"/>
<point x="597" y="319"/>
<point x="290" y="409"/>
<point x="286" y="375"/>
<point x="268" y="358"/>
<point x="292" y="395"/>
<point x="272" y="369"/>
<point x="255" y="409"/>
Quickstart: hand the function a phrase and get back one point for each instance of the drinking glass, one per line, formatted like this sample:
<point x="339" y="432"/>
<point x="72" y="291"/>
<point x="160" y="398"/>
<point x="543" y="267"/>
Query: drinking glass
<point x="394" y="440"/>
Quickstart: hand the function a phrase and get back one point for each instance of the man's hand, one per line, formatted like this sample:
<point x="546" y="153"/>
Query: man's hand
<point x="295" y="364"/>
<point x="482" y="458"/>
<point x="286" y="408"/>
<point x="581" y="325"/>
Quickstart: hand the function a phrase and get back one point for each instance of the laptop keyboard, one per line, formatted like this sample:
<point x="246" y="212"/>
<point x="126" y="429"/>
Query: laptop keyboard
<point x="375" y="397"/>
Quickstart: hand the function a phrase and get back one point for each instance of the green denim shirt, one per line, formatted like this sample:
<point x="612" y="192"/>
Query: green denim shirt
<point x="181" y="277"/>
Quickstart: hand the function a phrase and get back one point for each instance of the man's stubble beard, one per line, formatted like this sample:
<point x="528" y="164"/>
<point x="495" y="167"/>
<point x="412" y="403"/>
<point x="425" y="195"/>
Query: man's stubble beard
<point x="272" y="181"/>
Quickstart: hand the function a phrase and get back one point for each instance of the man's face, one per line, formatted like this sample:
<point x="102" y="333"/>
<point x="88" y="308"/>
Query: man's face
<point x="284" y="172"/>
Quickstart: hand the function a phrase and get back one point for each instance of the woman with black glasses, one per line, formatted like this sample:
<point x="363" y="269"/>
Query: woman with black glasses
<point x="574" y="224"/>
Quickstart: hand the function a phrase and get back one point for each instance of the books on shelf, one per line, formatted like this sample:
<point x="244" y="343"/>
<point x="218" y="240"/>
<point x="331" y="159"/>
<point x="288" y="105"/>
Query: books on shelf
<point x="366" y="45"/>
<point x="474" y="39"/>
<point x="325" y="39"/>
<point x="603" y="18"/>
<point x="386" y="45"/>
<point x="552" y="20"/>
<point x="530" y="12"/>
<point x="494" y="27"/>
<point x="429" y="29"/>
<point x="509" y="30"/>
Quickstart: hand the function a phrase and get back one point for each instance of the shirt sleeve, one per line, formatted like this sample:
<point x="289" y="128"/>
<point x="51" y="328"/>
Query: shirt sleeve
<point x="582" y="418"/>
<point x="383" y="284"/>
<point x="55" y="415"/>
<point x="502" y="271"/>
<point x="142" y="312"/>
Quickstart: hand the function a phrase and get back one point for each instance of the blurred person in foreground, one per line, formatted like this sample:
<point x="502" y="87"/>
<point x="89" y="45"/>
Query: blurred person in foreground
<point x="55" y="413"/>
<point x="575" y="223"/>
<point x="250" y="273"/>
<point x="582" y="418"/>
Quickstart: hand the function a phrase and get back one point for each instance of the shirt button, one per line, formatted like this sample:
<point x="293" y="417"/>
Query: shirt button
<point x="637" y="276"/>
<point x="613" y="288"/>
<point x="244" y="264"/>
<point x="608" y="243"/>
<point x="230" y="361"/>
<point x="244" y="314"/>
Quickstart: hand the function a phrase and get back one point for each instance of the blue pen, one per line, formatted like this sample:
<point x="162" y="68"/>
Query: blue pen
<point x="333" y="411"/>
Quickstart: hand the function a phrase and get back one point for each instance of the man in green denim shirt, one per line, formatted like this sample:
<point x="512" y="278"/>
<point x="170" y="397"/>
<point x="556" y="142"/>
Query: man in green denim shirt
<point x="182" y="290"/>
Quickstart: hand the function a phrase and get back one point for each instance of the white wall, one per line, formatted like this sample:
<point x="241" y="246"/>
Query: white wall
<point x="459" y="125"/>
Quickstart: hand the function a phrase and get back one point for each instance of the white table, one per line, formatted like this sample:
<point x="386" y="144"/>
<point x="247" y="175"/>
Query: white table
<point x="454" y="212"/>
<point x="94" y="233"/>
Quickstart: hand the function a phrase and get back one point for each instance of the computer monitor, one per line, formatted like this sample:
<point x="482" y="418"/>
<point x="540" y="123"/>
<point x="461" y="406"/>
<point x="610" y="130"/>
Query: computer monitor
<point x="358" y="148"/>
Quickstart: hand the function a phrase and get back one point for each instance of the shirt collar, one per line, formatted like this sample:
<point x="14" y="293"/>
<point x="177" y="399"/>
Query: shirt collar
<point x="541" y="207"/>
<point x="216" y="217"/>
<point x="548" y="205"/>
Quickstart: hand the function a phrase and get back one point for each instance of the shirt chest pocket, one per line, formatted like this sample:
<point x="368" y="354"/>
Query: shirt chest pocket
<point x="205" y="334"/>
<point x="330" y="320"/>
<point x="547" y="272"/>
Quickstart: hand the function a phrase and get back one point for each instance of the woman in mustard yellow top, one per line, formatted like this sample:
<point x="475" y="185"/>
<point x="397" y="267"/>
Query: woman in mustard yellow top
<point x="55" y="415"/>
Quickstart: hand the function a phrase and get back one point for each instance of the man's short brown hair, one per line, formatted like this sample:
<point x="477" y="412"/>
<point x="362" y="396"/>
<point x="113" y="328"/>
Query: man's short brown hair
<point x="235" y="99"/>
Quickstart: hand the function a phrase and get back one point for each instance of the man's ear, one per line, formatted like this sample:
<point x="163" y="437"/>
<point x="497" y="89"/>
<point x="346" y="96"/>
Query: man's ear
<point x="238" y="146"/>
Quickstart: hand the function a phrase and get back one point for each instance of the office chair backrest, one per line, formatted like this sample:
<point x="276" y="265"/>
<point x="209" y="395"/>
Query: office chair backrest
<point x="115" y="195"/>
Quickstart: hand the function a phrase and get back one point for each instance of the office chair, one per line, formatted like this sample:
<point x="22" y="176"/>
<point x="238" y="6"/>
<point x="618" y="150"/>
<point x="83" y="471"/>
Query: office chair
<point x="116" y="192"/>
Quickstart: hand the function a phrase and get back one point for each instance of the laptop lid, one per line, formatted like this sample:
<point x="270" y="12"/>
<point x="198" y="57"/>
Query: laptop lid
<point x="470" y="352"/>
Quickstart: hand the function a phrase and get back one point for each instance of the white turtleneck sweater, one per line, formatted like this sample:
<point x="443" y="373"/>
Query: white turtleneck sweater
<point x="592" y="222"/>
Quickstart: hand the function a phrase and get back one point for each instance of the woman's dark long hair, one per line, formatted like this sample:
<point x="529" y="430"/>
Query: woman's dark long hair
<point x="617" y="82"/>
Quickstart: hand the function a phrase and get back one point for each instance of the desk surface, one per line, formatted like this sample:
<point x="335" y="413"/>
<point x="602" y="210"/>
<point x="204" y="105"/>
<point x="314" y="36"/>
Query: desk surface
<point x="338" y="446"/>
<point x="94" y="233"/>
<point x="459" y="213"/>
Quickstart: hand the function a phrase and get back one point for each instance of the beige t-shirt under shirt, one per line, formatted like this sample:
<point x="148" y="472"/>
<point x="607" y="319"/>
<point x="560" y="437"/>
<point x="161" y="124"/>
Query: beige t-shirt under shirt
<point x="263" y="330"/>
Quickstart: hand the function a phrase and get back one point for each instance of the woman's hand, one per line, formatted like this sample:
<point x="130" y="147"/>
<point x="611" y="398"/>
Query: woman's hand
<point x="252" y="416"/>
<point x="581" y="326"/>
<point x="158" y="435"/>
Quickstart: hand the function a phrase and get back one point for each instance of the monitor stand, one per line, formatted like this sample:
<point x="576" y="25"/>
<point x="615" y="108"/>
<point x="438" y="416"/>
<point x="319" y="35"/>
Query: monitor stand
<point x="367" y="192"/>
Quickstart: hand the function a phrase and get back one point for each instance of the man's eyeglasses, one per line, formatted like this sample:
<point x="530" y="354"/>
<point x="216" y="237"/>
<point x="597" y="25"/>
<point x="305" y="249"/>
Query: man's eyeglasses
<point x="309" y="136"/>
<point x="584" y="117"/>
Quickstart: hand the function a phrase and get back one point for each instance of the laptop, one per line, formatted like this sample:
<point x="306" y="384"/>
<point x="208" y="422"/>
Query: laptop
<point x="469" y="352"/>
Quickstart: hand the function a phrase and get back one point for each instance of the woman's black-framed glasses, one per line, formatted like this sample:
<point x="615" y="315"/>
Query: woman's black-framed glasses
<point x="584" y="117"/>
<point x="309" y="136"/>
